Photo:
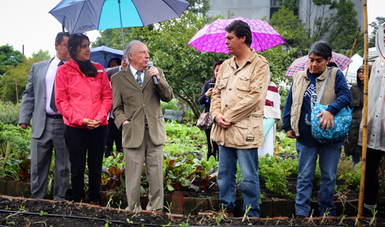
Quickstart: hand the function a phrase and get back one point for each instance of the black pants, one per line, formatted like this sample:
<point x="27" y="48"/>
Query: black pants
<point x="114" y="134"/>
<point x="373" y="158"/>
<point x="211" y="150"/>
<point x="79" y="141"/>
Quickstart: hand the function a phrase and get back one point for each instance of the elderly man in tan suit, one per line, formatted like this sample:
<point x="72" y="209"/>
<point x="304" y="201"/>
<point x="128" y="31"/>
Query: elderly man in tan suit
<point x="137" y="110"/>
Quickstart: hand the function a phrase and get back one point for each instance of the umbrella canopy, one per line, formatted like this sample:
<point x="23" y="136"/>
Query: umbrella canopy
<point x="357" y="61"/>
<point x="103" y="55"/>
<point x="301" y="64"/>
<point x="212" y="37"/>
<point x="79" y="16"/>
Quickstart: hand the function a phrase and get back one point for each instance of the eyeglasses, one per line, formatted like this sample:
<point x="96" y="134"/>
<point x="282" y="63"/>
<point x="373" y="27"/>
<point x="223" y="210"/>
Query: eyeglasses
<point x="65" y="33"/>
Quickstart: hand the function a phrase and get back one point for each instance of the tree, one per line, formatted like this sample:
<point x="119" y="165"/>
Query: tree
<point x="290" y="28"/>
<point x="9" y="58"/>
<point x="375" y="25"/>
<point x="290" y="4"/>
<point x="344" y="26"/>
<point x="13" y="82"/>
<point x="338" y="29"/>
<point x="199" y="7"/>
<point x="41" y="55"/>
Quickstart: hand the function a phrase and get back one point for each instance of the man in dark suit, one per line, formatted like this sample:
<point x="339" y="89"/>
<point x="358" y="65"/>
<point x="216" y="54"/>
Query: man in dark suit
<point x="48" y="126"/>
<point x="137" y="110"/>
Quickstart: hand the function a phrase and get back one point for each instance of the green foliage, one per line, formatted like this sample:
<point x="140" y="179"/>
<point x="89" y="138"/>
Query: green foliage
<point x="181" y="133"/>
<point x="375" y="25"/>
<point x="272" y="175"/>
<point x="172" y="105"/>
<point x="285" y="145"/>
<point x="344" y="27"/>
<point x="113" y="172"/>
<point x="176" y="171"/>
<point x="204" y="170"/>
<point x="286" y="24"/>
<point x="339" y="28"/>
<point x="15" y="152"/>
<point x="41" y="55"/>
<point x="199" y="7"/>
<point x="12" y="84"/>
<point x="9" y="113"/>
<point x="290" y="4"/>
<point x="349" y="174"/>
<point x="9" y="58"/>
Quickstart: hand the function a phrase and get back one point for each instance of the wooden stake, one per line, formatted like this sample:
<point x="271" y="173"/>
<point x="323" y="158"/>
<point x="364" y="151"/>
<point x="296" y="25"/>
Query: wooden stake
<point x="351" y="53"/>
<point x="365" y="116"/>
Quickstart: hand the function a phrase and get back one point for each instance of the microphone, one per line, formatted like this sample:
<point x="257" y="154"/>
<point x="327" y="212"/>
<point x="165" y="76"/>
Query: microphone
<point x="154" y="79"/>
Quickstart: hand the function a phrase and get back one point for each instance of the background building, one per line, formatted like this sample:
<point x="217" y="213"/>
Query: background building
<point x="258" y="9"/>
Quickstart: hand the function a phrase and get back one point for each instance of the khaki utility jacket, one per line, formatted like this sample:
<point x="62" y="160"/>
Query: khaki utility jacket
<point x="239" y="95"/>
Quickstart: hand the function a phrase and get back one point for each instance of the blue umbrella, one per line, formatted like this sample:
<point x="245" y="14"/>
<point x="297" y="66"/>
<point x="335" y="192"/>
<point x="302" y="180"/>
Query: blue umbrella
<point x="79" y="16"/>
<point x="103" y="55"/>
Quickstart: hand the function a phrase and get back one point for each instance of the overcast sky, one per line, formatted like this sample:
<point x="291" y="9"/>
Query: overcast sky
<point x="28" y="22"/>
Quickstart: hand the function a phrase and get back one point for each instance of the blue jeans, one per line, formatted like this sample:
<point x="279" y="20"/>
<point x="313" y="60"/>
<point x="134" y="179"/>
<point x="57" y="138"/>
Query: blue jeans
<point x="227" y="170"/>
<point x="329" y="156"/>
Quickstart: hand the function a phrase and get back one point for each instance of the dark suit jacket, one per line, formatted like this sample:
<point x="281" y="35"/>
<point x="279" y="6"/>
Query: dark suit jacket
<point x="33" y="101"/>
<point x="111" y="71"/>
<point x="132" y="103"/>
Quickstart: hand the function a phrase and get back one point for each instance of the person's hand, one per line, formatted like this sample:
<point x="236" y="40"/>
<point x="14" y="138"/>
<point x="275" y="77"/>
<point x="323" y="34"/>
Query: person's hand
<point x="290" y="134"/>
<point x="94" y="123"/>
<point x="24" y="126"/>
<point x="153" y="71"/>
<point x="125" y="122"/>
<point x="222" y="121"/>
<point x="326" y="120"/>
<point x="209" y="92"/>
<point x="91" y="124"/>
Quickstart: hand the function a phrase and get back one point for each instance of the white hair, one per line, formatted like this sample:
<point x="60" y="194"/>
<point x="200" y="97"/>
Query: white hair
<point x="128" y="49"/>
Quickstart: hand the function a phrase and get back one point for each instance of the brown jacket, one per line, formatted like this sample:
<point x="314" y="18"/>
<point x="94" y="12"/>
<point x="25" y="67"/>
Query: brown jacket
<point x="132" y="103"/>
<point x="300" y="82"/>
<point x="239" y="95"/>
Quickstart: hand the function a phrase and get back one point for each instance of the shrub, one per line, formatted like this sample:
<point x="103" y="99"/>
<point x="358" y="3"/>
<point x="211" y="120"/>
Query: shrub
<point x="9" y="113"/>
<point x="172" y="105"/>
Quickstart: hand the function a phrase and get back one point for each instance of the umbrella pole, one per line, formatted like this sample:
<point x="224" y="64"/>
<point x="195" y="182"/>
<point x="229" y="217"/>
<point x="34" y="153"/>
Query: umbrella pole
<point x="351" y="53"/>
<point x="121" y="24"/>
<point x="365" y="117"/>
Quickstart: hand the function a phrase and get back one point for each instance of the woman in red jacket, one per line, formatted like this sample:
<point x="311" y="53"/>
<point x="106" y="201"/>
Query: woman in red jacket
<point x="83" y="97"/>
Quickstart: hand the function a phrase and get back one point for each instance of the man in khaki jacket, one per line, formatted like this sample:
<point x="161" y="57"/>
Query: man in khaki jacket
<point x="137" y="110"/>
<point x="237" y="106"/>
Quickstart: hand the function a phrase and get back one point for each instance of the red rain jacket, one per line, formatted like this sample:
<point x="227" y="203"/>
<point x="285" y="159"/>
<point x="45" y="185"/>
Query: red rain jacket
<point x="78" y="96"/>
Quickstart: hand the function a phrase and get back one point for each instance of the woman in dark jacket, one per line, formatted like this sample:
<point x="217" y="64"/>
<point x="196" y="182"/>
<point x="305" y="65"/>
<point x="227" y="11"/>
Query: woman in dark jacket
<point x="205" y="99"/>
<point x="357" y="90"/>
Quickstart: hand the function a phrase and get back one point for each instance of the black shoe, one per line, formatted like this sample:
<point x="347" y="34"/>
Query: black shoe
<point x="300" y="217"/>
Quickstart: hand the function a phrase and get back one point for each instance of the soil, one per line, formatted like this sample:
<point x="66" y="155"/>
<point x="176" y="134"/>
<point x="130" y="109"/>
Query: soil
<point x="28" y="212"/>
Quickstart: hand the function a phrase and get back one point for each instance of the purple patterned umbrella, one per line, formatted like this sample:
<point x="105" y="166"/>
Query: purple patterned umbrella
<point x="212" y="37"/>
<point x="301" y="64"/>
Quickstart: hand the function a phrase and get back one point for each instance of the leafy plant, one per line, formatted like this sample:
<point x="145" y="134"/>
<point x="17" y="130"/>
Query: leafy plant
<point x="204" y="170"/>
<point x="113" y="170"/>
<point x="175" y="171"/>
<point x="9" y="112"/>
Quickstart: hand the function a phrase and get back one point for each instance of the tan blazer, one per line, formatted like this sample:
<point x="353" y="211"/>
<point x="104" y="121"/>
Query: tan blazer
<point x="132" y="103"/>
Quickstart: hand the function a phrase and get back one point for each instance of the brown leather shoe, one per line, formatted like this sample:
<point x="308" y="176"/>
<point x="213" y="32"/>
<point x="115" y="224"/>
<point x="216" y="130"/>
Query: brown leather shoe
<point x="300" y="217"/>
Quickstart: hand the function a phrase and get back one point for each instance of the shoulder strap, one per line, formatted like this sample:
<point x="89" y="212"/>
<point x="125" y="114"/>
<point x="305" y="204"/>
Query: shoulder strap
<point x="323" y="87"/>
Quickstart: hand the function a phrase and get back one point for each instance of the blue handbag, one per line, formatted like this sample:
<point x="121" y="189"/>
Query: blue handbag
<point x="342" y="121"/>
